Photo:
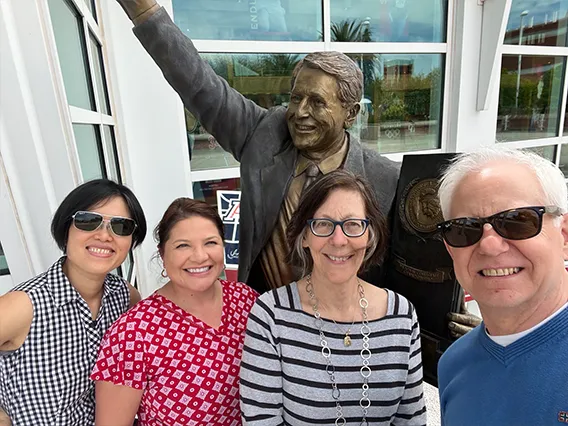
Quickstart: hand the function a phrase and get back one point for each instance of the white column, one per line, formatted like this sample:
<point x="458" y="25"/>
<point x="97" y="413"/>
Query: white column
<point x="468" y="128"/>
<point x="151" y="132"/>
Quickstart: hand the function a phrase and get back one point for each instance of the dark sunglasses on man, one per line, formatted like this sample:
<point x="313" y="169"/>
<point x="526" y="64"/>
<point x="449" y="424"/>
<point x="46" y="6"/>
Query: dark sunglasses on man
<point x="515" y="224"/>
<point x="91" y="221"/>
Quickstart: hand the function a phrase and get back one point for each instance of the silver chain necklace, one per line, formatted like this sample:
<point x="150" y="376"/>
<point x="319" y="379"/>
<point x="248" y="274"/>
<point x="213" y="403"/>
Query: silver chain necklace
<point x="365" y="370"/>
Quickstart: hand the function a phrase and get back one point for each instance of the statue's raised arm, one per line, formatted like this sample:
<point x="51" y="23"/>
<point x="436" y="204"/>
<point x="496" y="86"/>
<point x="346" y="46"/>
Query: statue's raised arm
<point x="222" y="111"/>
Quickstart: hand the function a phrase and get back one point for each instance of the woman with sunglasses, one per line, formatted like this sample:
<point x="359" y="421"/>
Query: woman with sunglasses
<point x="51" y="326"/>
<point x="174" y="358"/>
<point x="332" y="348"/>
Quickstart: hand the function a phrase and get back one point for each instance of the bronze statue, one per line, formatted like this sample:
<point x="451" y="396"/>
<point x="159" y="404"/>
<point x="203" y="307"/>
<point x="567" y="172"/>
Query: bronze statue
<point x="280" y="150"/>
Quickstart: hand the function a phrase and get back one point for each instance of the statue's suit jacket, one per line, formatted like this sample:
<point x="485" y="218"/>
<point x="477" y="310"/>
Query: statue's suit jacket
<point x="257" y="137"/>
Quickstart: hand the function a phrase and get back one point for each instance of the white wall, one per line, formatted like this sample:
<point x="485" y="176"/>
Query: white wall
<point x="151" y="132"/>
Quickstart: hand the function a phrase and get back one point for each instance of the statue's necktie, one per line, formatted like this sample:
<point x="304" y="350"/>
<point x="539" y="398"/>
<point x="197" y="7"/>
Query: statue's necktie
<point x="312" y="173"/>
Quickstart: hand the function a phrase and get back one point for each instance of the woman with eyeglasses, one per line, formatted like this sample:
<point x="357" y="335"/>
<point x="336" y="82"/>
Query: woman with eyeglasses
<point x="331" y="348"/>
<point x="174" y="358"/>
<point x="51" y="326"/>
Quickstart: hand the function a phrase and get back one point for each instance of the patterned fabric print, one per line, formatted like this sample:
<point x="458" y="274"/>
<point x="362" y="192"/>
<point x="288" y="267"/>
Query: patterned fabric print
<point x="188" y="370"/>
<point x="46" y="381"/>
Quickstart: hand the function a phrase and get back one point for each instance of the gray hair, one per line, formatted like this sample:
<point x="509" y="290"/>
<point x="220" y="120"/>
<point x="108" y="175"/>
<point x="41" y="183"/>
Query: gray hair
<point x="550" y="177"/>
<point x="340" y="66"/>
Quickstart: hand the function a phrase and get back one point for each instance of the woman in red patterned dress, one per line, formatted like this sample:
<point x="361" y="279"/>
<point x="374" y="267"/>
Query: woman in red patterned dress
<point x="174" y="358"/>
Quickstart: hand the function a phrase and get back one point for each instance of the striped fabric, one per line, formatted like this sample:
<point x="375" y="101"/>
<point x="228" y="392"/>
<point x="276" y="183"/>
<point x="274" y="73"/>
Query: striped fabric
<point x="283" y="372"/>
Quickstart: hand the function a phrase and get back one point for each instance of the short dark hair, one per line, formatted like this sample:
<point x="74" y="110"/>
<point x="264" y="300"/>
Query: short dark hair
<point x="316" y="195"/>
<point x="180" y="209"/>
<point x="340" y="66"/>
<point x="89" y="194"/>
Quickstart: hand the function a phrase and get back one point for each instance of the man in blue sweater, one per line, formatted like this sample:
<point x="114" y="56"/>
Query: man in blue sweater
<point x="506" y="230"/>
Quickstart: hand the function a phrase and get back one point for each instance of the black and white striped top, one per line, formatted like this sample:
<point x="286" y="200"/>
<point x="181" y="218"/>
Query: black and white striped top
<point x="283" y="373"/>
<point x="46" y="381"/>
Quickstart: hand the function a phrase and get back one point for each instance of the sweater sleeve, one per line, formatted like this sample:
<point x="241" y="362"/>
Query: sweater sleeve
<point x="412" y="410"/>
<point x="261" y="369"/>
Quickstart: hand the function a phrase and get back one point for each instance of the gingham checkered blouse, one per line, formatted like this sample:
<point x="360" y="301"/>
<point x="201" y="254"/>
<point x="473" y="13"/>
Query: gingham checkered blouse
<point x="46" y="380"/>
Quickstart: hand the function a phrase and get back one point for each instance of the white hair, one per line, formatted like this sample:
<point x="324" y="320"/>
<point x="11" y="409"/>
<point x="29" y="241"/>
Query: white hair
<point x="550" y="177"/>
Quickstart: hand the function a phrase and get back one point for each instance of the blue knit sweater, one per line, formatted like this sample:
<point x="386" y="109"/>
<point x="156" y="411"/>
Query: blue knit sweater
<point x="524" y="384"/>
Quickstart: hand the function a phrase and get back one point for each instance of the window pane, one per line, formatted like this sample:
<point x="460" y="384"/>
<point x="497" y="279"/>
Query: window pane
<point x="3" y="264"/>
<point x="564" y="159"/>
<point x="548" y="152"/>
<point x="113" y="170"/>
<point x="388" y="20"/>
<point x="72" y="52"/>
<point x="97" y="56"/>
<point x="298" y="20"/>
<point x="265" y="79"/>
<point x="92" y="7"/>
<point x="529" y="101"/>
<point x="88" y="140"/>
<point x="537" y="23"/>
<point x="401" y="106"/>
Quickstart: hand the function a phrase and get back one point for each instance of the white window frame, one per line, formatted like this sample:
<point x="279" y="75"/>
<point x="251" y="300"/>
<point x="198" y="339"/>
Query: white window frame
<point x="258" y="47"/>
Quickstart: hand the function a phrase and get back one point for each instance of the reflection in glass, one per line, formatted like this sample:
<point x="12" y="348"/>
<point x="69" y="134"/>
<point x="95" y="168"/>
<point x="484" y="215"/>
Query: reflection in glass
<point x="72" y="52"/>
<point x="564" y="159"/>
<point x="265" y="79"/>
<point x="97" y="56"/>
<point x="113" y="170"/>
<point x="548" y="152"/>
<point x="207" y="190"/>
<point x="537" y="23"/>
<point x="389" y="21"/>
<point x="88" y="142"/>
<point x="529" y="101"/>
<point x="401" y="105"/>
<point x="3" y="263"/>
<point x="296" y="20"/>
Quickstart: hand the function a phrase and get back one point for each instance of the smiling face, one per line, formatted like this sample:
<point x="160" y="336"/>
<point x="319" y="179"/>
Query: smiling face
<point x="315" y="115"/>
<point x="502" y="273"/>
<point x="100" y="251"/>
<point x="193" y="254"/>
<point x="338" y="258"/>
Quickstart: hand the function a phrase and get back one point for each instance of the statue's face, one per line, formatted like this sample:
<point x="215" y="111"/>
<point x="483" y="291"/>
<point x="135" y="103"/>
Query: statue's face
<point x="316" y="116"/>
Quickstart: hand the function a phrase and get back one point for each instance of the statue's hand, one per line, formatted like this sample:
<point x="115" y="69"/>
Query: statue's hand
<point x="462" y="322"/>
<point x="136" y="8"/>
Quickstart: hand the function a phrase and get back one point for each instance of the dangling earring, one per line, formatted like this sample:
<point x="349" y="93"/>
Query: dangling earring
<point x="164" y="274"/>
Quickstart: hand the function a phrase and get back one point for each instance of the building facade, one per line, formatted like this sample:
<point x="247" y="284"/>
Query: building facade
<point x="81" y="99"/>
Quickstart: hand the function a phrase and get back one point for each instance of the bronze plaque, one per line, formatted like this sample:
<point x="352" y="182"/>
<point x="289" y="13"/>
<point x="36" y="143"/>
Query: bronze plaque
<point x="418" y="265"/>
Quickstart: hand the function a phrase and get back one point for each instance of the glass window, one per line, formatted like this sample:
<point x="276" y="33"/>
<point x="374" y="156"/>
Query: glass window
<point x="564" y="159"/>
<point x="297" y="20"/>
<point x="88" y="141"/>
<point x="3" y="263"/>
<point x="401" y="105"/>
<point x="92" y="7"/>
<point x="548" y="152"/>
<point x="113" y="170"/>
<point x="263" y="78"/>
<point x="207" y="190"/>
<point x="529" y="97"/>
<point x="72" y="52"/>
<point x="537" y="23"/>
<point x="388" y="20"/>
<point x="97" y="56"/>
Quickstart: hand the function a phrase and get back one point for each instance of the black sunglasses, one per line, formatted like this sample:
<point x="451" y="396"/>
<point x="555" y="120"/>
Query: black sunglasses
<point x="91" y="221"/>
<point x="326" y="227"/>
<point x="515" y="224"/>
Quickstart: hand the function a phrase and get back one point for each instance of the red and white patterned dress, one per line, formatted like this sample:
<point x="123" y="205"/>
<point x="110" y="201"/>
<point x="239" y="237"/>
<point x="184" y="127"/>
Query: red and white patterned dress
<point x="188" y="370"/>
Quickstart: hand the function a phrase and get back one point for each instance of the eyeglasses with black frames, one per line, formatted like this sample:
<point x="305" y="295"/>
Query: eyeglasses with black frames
<point x="350" y="227"/>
